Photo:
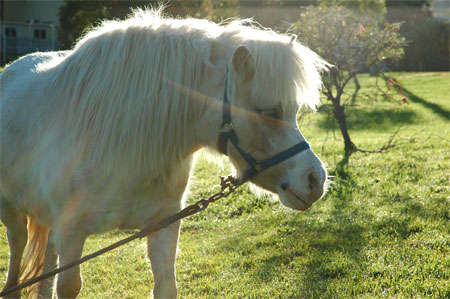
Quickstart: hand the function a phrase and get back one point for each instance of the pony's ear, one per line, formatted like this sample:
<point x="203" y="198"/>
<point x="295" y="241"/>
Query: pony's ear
<point x="243" y="64"/>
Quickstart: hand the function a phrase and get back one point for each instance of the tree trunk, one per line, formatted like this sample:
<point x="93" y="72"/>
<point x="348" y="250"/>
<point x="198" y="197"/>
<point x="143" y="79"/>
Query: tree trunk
<point x="357" y="87"/>
<point x="355" y="80"/>
<point x="339" y="114"/>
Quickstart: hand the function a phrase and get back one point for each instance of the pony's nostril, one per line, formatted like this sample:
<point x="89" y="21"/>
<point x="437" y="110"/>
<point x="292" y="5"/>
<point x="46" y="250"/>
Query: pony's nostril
<point x="313" y="182"/>
<point x="284" y="186"/>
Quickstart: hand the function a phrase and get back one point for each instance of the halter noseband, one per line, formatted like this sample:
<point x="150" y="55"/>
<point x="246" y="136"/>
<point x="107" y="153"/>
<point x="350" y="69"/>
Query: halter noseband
<point x="227" y="132"/>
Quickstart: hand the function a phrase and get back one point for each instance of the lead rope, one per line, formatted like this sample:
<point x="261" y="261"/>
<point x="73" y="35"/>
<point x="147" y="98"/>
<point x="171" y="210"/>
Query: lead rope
<point x="227" y="186"/>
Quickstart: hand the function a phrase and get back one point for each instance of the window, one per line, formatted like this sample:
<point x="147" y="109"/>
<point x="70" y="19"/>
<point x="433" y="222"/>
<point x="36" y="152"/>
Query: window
<point x="10" y="32"/>
<point x="40" y="33"/>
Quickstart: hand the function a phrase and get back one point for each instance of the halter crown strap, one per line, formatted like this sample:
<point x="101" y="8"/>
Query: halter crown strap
<point x="228" y="133"/>
<point x="226" y="118"/>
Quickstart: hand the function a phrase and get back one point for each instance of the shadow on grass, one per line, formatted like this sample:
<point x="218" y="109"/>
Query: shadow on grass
<point x="437" y="109"/>
<point x="341" y="168"/>
<point x="376" y="119"/>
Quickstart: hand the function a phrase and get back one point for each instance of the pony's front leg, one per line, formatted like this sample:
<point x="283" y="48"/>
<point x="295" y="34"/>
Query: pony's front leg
<point x="16" y="227"/>
<point x="69" y="249"/>
<point x="162" y="249"/>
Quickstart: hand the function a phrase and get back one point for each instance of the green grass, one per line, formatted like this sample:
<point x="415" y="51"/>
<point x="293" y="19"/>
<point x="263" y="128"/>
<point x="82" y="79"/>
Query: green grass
<point x="382" y="231"/>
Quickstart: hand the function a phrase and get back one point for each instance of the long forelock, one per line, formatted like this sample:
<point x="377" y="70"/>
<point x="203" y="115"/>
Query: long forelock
<point x="286" y="72"/>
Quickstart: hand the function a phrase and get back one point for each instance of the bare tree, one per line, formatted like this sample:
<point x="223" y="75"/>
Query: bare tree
<point x="351" y="42"/>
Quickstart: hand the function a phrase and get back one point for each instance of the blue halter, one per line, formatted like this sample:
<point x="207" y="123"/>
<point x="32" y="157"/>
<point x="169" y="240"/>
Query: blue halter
<point x="228" y="133"/>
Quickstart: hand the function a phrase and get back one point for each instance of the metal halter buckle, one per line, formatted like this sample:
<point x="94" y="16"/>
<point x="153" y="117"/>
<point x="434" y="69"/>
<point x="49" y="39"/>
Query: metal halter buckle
<point x="227" y="127"/>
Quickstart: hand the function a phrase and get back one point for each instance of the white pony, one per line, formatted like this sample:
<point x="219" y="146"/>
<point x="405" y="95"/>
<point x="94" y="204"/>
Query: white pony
<point x="103" y="136"/>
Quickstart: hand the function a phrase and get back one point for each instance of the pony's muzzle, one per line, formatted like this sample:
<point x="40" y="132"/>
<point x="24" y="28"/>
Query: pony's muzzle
<point x="302" y="194"/>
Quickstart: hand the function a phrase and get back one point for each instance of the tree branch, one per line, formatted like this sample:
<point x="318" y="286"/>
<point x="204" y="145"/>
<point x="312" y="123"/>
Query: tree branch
<point x="390" y="144"/>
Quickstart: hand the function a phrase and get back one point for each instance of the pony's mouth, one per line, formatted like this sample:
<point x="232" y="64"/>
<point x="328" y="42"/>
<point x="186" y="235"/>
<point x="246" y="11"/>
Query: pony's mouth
<point x="296" y="197"/>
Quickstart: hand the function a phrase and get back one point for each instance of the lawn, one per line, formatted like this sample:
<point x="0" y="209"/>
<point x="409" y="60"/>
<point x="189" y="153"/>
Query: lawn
<point x="382" y="231"/>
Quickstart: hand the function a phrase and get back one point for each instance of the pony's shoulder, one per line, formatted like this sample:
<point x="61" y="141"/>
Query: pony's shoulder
<point x="24" y="74"/>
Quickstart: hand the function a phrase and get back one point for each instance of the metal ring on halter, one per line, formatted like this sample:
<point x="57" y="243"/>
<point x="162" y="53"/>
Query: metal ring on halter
<point x="226" y="127"/>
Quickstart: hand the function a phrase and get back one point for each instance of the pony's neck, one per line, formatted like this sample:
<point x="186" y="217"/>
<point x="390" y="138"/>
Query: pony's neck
<point x="206" y="128"/>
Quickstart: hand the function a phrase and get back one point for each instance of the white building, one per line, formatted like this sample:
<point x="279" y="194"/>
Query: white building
<point x="28" y="26"/>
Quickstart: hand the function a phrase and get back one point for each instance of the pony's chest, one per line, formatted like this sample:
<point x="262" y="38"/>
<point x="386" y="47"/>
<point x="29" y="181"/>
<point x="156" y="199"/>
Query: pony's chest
<point x="122" y="212"/>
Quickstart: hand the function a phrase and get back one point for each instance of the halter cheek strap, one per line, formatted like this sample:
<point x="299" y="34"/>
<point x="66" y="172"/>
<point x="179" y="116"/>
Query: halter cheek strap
<point x="228" y="133"/>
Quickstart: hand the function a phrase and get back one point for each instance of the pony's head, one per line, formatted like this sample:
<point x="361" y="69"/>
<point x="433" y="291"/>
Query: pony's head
<point x="270" y="79"/>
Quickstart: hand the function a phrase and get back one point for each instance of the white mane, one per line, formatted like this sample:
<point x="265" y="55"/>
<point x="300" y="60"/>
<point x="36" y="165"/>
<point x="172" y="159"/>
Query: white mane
<point x="132" y="88"/>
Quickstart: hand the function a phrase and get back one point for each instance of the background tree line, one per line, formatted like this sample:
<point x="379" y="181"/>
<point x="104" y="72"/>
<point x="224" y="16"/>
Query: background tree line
<point x="427" y="40"/>
<point x="80" y="15"/>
